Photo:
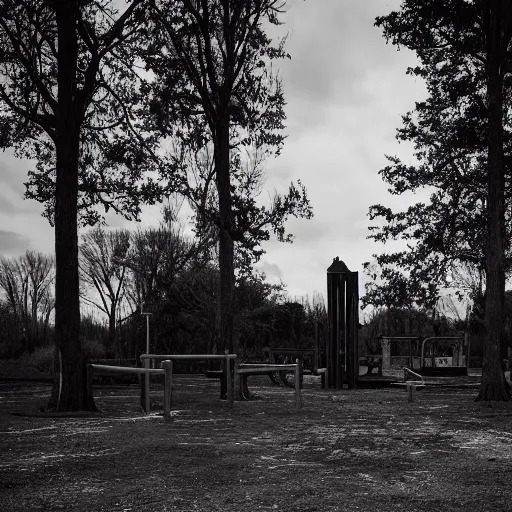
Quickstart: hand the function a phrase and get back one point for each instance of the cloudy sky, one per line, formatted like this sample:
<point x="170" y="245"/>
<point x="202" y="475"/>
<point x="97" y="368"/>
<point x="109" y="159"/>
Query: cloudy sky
<point x="345" y="90"/>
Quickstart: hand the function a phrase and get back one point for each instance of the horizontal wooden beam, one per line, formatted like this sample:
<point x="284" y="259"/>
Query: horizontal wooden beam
<point x="267" y="365"/>
<point x="187" y="357"/>
<point x="101" y="369"/>
<point x="260" y="370"/>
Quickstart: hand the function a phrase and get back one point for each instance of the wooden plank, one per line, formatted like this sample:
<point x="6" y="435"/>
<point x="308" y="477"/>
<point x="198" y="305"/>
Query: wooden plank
<point x="229" y="382"/>
<point x="187" y="357"/>
<point x="167" y="366"/>
<point x="264" y="371"/>
<point x="101" y="369"/>
<point x="298" y="398"/>
<point x="147" y="402"/>
<point x="266" y="365"/>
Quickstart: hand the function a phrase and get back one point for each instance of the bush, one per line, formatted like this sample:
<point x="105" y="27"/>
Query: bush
<point x="92" y="349"/>
<point x="41" y="359"/>
<point x="11" y="345"/>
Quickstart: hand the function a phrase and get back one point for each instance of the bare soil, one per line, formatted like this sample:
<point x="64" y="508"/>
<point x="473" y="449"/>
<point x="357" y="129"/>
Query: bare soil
<point x="364" y="450"/>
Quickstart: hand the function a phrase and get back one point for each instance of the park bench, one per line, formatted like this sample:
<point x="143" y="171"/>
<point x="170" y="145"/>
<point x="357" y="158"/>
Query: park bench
<point x="244" y="370"/>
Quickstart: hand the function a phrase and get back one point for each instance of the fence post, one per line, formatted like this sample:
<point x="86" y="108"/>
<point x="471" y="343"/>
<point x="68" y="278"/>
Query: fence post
<point x="89" y="375"/>
<point x="411" y="392"/>
<point x="167" y="365"/>
<point x="298" y="400"/>
<point x="237" y="383"/>
<point x="147" y="403"/>
<point x="229" y="382"/>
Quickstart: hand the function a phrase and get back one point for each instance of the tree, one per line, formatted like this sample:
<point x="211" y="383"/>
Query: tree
<point x="157" y="256"/>
<point x="465" y="61"/>
<point x="216" y="55"/>
<point x="27" y="283"/>
<point x="103" y="267"/>
<point x="59" y="61"/>
<point x="253" y="222"/>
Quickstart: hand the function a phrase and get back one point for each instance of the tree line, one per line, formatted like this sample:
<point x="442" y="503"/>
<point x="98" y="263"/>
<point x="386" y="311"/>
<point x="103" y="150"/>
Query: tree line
<point x="161" y="271"/>
<point x="123" y="107"/>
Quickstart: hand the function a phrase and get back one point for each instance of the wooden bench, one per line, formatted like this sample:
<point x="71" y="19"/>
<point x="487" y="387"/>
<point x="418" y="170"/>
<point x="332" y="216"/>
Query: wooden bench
<point x="244" y="370"/>
<point x="410" y="388"/>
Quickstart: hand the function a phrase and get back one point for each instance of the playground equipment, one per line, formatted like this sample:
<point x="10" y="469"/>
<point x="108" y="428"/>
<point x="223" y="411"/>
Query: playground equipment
<point x="244" y="370"/>
<point x="434" y="361"/>
<point x="104" y="370"/>
<point x="445" y="366"/>
<point x="343" y="364"/>
<point x="150" y="359"/>
<point x="239" y="373"/>
<point x="309" y="358"/>
<point x="343" y="314"/>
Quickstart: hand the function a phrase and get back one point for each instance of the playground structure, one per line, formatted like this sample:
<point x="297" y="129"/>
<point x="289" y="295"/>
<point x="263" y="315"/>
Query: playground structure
<point x="342" y="361"/>
<point x="106" y="370"/>
<point x="149" y="360"/>
<point x="244" y="370"/>
<point x="343" y="364"/>
<point x="309" y="358"/>
<point x="425" y="356"/>
<point x="236" y="385"/>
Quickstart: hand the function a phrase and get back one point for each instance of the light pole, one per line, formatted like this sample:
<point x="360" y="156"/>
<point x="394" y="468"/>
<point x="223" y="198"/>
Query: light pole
<point x="147" y="314"/>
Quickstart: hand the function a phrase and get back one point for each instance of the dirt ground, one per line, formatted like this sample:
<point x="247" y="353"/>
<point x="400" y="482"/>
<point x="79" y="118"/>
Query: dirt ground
<point x="364" y="450"/>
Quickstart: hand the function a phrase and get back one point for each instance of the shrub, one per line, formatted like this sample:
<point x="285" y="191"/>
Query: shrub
<point x="41" y="359"/>
<point x="93" y="348"/>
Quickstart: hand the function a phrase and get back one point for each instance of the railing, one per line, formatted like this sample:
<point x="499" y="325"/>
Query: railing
<point x="419" y="378"/>
<point x="243" y="370"/>
<point x="101" y="369"/>
<point x="147" y="358"/>
<point x="454" y="339"/>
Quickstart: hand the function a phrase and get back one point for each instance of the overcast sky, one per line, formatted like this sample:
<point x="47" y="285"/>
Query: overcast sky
<point x="346" y="91"/>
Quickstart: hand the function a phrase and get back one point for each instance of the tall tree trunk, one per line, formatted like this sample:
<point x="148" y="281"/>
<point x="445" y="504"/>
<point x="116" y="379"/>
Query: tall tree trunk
<point x="72" y="396"/>
<point x="226" y="245"/>
<point x="112" y="335"/>
<point x="493" y="385"/>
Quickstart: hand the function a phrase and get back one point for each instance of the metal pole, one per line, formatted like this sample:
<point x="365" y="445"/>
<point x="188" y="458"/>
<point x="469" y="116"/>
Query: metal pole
<point x="147" y="334"/>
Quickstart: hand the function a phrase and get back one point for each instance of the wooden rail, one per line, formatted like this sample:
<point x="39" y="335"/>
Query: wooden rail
<point x="243" y="370"/>
<point x="147" y="358"/>
<point x="102" y="369"/>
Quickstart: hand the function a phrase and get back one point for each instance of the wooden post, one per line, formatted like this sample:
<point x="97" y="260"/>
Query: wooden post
<point x="238" y="382"/>
<point x="298" y="400"/>
<point x="229" y="382"/>
<point x="89" y="376"/>
<point x="411" y="392"/>
<point x="147" y="403"/>
<point x="167" y="365"/>
<point x="317" y="345"/>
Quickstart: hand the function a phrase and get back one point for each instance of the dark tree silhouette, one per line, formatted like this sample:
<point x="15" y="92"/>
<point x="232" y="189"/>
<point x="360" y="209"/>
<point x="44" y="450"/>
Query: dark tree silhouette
<point x="60" y="62"/>
<point x="216" y="54"/>
<point x="464" y="50"/>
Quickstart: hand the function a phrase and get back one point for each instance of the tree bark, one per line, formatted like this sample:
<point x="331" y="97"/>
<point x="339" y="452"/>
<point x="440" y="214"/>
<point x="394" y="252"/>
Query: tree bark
<point x="226" y="245"/>
<point x="112" y="334"/>
<point x="73" y="395"/>
<point x="494" y="387"/>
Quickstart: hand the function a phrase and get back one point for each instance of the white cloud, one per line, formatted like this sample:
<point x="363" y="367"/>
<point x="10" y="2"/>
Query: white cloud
<point x="345" y="90"/>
